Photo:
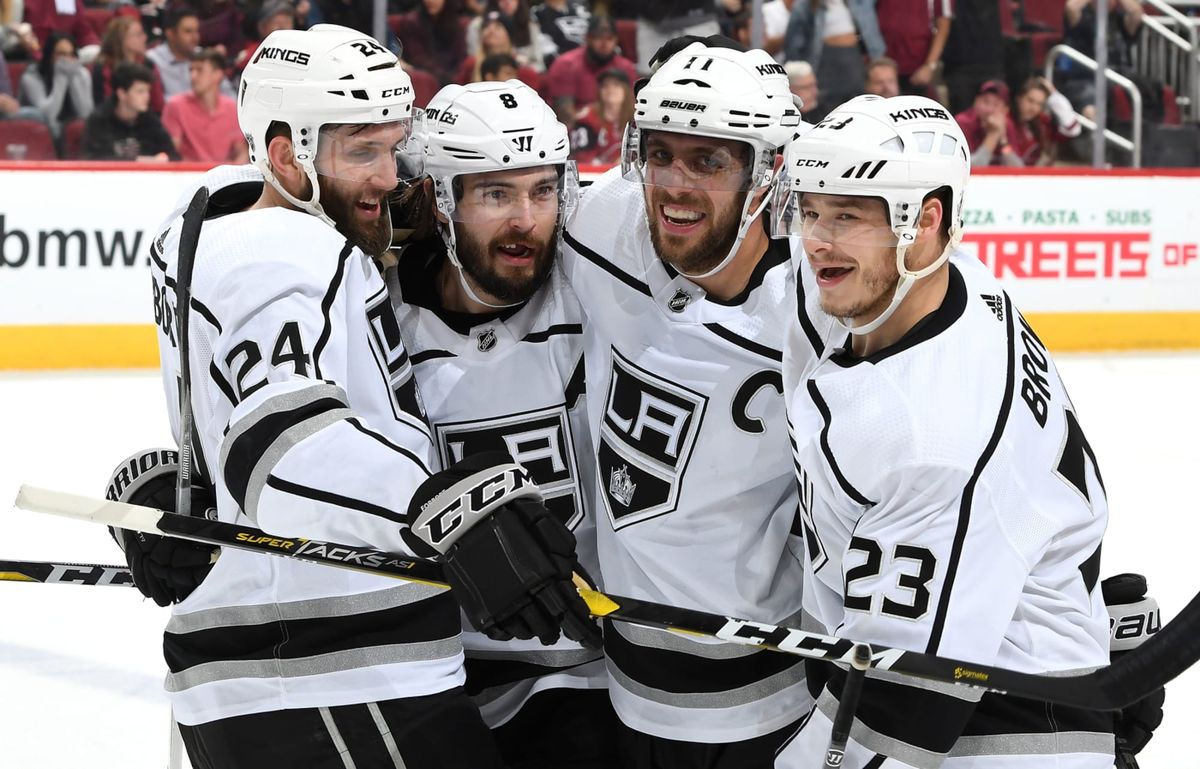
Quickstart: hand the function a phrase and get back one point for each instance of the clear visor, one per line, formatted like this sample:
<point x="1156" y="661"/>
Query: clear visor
<point x="370" y="153"/>
<point x="839" y="220"/>
<point x="550" y="191"/>
<point x="668" y="159"/>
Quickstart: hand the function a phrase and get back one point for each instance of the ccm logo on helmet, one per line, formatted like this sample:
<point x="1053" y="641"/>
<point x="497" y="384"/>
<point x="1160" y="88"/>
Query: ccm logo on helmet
<point x="686" y="106"/>
<point x="283" y="54"/>
<point x="394" y="92"/>
<point x="919" y="112"/>
<point x="811" y="163"/>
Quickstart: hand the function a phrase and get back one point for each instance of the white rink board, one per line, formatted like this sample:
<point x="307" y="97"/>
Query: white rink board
<point x="81" y="668"/>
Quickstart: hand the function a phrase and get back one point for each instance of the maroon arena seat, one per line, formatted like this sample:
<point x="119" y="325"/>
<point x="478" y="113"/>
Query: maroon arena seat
<point x="35" y="137"/>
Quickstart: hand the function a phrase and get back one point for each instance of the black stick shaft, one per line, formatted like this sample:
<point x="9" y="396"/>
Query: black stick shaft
<point x="189" y="239"/>
<point x="843" y="720"/>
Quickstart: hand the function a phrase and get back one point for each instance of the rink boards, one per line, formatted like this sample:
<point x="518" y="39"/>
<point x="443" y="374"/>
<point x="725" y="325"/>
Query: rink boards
<point x="1096" y="261"/>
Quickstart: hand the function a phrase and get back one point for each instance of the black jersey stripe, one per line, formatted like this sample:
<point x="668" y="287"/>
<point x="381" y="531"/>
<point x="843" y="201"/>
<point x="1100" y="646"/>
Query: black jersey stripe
<point x="826" y="417"/>
<point x="357" y="424"/>
<point x="222" y="383"/>
<point x="330" y="498"/>
<point x="576" y="386"/>
<point x="769" y="353"/>
<point x="778" y="252"/>
<point x="680" y="673"/>
<point x="432" y="618"/>
<point x="207" y="314"/>
<point x="424" y="355"/>
<point x="806" y="324"/>
<point x="606" y="265"/>
<point x="483" y="674"/>
<point x="327" y="305"/>
<point x="875" y="762"/>
<point x="156" y="256"/>
<point x="559" y="329"/>
<point x="964" y="510"/>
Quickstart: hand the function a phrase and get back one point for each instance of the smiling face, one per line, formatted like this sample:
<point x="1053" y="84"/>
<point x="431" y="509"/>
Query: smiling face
<point x="506" y="230"/>
<point x="852" y="250"/>
<point x="695" y="187"/>
<point x="357" y="165"/>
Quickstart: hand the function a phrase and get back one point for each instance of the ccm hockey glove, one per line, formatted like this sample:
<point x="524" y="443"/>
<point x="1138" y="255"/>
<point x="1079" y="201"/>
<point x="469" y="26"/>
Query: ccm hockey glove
<point x="1133" y="618"/>
<point x="507" y="558"/>
<point x="165" y="569"/>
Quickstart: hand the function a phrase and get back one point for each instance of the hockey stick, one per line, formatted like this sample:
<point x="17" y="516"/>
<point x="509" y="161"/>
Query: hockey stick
<point x="189" y="238"/>
<point x="47" y="573"/>
<point x="1168" y="653"/>
<point x="843" y="719"/>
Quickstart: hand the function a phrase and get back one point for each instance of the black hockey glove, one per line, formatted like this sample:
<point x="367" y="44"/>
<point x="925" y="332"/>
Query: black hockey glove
<point x="507" y="558"/>
<point x="1133" y="617"/>
<point x="165" y="569"/>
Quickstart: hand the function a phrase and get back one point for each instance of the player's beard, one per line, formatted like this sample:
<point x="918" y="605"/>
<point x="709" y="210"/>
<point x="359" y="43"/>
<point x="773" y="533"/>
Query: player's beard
<point x="698" y="253"/>
<point x="875" y="287"/>
<point x="509" y="284"/>
<point x="340" y="202"/>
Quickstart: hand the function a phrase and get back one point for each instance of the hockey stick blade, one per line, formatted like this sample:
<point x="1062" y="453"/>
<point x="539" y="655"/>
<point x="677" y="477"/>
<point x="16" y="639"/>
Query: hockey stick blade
<point x="47" y="573"/>
<point x="1138" y="673"/>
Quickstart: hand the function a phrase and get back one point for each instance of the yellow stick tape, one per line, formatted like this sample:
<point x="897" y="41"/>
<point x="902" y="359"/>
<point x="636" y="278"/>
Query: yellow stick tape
<point x="134" y="346"/>
<point x="78" y="347"/>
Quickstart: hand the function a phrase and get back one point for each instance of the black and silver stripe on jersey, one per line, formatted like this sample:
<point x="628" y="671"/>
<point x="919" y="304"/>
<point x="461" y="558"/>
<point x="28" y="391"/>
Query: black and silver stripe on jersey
<point x="327" y="301"/>
<point x="606" y="265"/>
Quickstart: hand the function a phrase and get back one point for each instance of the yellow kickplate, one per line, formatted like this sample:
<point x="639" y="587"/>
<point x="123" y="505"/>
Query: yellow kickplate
<point x="12" y="576"/>
<point x="599" y="604"/>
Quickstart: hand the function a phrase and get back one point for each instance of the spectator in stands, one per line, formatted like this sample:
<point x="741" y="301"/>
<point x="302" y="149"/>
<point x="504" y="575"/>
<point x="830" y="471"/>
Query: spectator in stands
<point x="59" y="87"/>
<point x="10" y="108"/>
<point x="776" y="14"/>
<point x="355" y="14"/>
<point x="596" y="137"/>
<point x="433" y="39"/>
<point x="989" y="128"/>
<point x="662" y="20"/>
<point x="123" y="127"/>
<point x="46" y="16"/>
<point x="220" y="25"/>
<point x="883" y="78"/>
<point x="563" y="24"/>
<point x="498" y="67"/>
<point x="173" y="57"/>
<point x="1079" y="32"/>
<point x="802" y="81"/>
<point x="496" y="37"/>
<point x="203" y="122"/>
<point x="526" y="37"/>
<point x="573" y="79"/>
<point x="914" y="34"/>
<point x="124" y="42"/>
<point x="17" y="40"/>
<point x="830" y="35"/>
<point x="974" y="51"/>
<point x="272" y="15"/>
<point x="1044" y="118"/>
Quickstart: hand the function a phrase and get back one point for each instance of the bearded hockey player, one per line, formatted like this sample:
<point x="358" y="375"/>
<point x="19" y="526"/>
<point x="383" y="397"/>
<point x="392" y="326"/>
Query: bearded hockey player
<point x="308" y="424"/>
<point x="495" y="337"/>
<point x="952" y="504"/>
<point x="683" y="294"/>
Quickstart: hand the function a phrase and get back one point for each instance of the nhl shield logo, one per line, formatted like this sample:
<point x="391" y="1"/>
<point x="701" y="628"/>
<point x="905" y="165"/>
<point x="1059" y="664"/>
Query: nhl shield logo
<point x="680" y="301"/>
<point x="486" y="340"/>
<point x="621" y="486"/>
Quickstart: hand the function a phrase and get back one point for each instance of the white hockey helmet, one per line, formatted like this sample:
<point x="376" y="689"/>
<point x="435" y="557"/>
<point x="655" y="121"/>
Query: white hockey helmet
<point x="326" y="75"/>
<point x="897" y="149"/>
<point x="722" y="93"/>
<point x="487" y="127"/>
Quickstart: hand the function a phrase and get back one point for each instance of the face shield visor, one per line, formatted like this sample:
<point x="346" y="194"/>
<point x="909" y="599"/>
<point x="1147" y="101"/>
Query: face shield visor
<point x="684" y="161"/>
<point x="384" y="154"/>
<point x="542" y="192"/>
<point x="846" y="223"/>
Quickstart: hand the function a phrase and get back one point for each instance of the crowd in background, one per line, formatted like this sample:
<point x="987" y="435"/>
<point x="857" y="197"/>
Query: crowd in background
<point x="156" y="81"/>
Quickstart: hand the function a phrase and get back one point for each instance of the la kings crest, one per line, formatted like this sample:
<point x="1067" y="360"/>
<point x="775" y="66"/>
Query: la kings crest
<point x="539" y="440"/>
<point x="647" y="434"/>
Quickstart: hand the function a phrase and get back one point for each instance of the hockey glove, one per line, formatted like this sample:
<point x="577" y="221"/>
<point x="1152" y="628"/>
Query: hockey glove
<point x="166" y="570"/>
<point x="507" y="558"/>
<point x="1133" y="617"/>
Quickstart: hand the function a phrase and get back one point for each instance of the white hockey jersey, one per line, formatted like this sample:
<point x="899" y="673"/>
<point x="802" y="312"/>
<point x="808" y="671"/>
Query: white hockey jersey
<point x="308" y="424"/>
<point x="510" y="381"/>
<point x="951" y="505"/>
<point x="696" y="496"/>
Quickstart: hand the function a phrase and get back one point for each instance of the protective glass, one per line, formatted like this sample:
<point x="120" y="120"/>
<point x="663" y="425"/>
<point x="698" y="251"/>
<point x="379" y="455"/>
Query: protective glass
<point x="361" y="153"/>
<point x="652" y="159"/>
<point x="843" y="221"/>
<point x="505" y="195"/>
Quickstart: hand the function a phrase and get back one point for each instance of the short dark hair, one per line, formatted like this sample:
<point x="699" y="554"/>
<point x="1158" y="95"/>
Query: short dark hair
<point x="177" y="13"/>
<point x="883" y="61"/>
<point x="211" y="55"/>
<point x="125" y="75"/>
<point x="492" y="64"/>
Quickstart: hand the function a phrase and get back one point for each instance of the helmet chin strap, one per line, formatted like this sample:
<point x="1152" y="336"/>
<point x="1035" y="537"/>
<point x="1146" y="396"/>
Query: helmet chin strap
<point x="448" y="235"/>
<point x="747" y="220"/>
<point x="308" y="206"/>
<point x="908" y="278"/>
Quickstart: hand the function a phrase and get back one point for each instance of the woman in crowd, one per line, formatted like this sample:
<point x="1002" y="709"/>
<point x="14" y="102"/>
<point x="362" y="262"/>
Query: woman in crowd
<point x="831" y="35"/>
<point x="596" y="137"/>
<point x="124" y="41"/>
<point x="1043" y="118"/>
<point x="526" y="35"/>
<point x="496" y="37"/>
<point x="59" y="86"/>
<point x="433" y="39"/>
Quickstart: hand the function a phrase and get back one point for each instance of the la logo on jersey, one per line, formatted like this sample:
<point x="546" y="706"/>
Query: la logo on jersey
<point x="392" y="358"/>
<point x="540" y="441"/>
<point x="646" y="440"/>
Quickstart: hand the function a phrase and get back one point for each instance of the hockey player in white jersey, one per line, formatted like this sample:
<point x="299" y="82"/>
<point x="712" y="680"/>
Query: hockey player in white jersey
<point x="308" y="423"/>
<point x="495" y="338"/>
<point x="952" y="504"/>
<point x="684" y="299"/>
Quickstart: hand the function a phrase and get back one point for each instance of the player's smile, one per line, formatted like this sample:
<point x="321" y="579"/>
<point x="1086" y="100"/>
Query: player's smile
<point x="517" y="253"/>
<point x="680" y="220"/>
<point x="368" y="209"/>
